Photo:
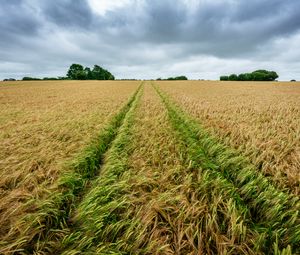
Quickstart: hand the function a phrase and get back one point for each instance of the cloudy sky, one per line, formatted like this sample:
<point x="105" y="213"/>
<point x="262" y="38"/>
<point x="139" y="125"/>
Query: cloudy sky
<point x="150" y="38"/>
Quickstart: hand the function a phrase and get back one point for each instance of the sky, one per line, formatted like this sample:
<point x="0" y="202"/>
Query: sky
<point x="147" y="39"/>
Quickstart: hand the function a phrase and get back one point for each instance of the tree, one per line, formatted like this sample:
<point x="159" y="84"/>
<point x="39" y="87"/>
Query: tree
<point x="111" y="77"/>
<point x="177" y="78"/>
<point x="10" y="79"/>
<point x="264" y="75"/>
<point x="233" y="77"/>
<point x="248" y="77"/>
<point x="50" y="78"/>
<point x="224" y="78"/>
<point x="88" y="73"/>
<point x="242" y="77"/>
<point x="273" y="76"/>
<point x="30" y="79"/>
<point x="80" y="75"/>
<point x="76" y="72"/>
<point x="99" y="73"/>
<point x="258" y="75"/>
<point x="181" y="78"/>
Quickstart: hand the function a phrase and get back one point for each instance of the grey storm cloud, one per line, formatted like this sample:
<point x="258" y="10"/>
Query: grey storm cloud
<point x="149" y="38"/>
<point x="68" y="13"/>
<point x="17" y="20"/>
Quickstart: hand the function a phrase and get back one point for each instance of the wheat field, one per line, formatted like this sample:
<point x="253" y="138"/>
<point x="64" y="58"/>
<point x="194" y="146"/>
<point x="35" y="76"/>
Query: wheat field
<point x="153" y="167"/>
<point x="261" y="120"/>
<point x="43" y="125"/>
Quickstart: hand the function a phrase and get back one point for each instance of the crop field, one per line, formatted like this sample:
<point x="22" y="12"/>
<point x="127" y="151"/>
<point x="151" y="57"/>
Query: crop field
<point x="42" y="126"/>
<point x="153" y="167"/>
<point x="261" y="120"/>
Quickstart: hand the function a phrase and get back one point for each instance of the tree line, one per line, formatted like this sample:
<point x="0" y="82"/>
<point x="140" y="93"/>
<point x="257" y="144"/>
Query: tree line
<point x="258" y="75"/>
<point x="78" y="72"/>
<point x="177" y="78"/>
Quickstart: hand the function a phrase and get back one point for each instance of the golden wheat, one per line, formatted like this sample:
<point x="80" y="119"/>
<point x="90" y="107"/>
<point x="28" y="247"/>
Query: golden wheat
<point x="148" y="200"/>
<point x="260" y="119"/>
<point x="165" y="183"/>
<point x="43" y="125"/>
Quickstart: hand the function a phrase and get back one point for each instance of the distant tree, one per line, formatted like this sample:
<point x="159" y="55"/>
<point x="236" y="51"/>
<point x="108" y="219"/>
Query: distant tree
<point x="242" y="77"/>
<point x="293" y="80"/>
<point x="273" y="76"/>
<point x="76" y="72"/>
<point x="233" y="77"/>
<point x="88" y="73"/>
<point x="81" y="75"/>
<point x="10" y="79"/>
<point x="178" y="78"/>
<point x="111" y="77"/>
<point x="264" y="75"/>
<point x="50" y="78"/>
<point x="248" y="77"/>
<point x="258" y="75"/>
<point x="224" y="78"/>
<point x="182" y="78"/>
<point x="62" y="78"/>
<point x="99" y="73"/>
<point x="30" y="79"/>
